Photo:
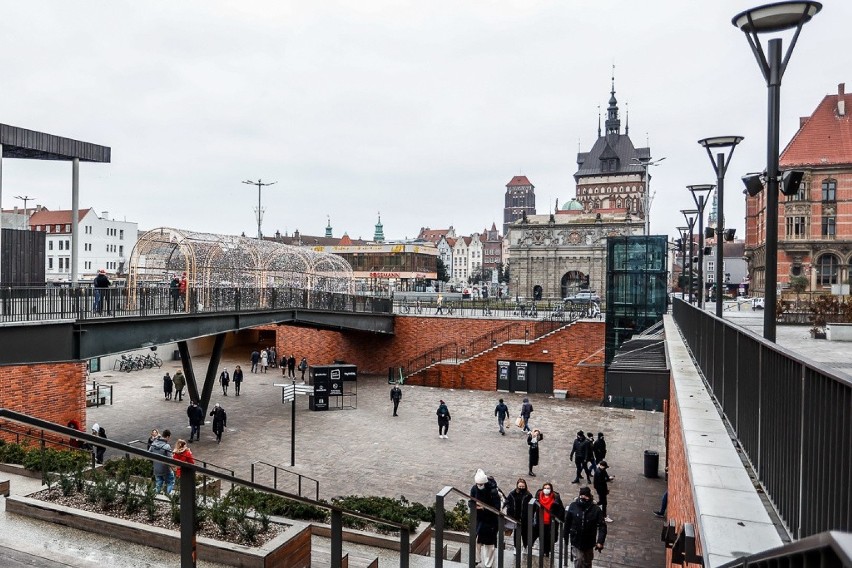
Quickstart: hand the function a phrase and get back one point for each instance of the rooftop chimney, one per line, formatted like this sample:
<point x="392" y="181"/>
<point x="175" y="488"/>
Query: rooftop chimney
<point x="105" y="215"/>
<point x="803" y="120"/>
<point x="841" y="89"/>
<point x="841" y="102"/>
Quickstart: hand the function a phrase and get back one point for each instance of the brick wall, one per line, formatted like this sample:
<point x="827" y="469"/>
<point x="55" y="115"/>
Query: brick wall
<point x="681" y="506"/>
<point x="576" y="352"/>
<point x="55" y="392"/>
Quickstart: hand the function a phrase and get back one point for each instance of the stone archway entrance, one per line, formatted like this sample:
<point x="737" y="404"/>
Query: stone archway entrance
<point x="572" y="282"/>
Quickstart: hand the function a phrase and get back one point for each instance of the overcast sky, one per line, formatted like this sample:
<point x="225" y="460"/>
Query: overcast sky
<point x="420" y="110"/>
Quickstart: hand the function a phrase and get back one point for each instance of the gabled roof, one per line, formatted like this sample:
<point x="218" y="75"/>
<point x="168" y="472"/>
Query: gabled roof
<point x="825" y="139"/>
<point x="60" y="217"/>
<point x="518" y="180"/>
<point x="451" y="241"/>
<point x="607" y="147"/>
<point x="432" y="235"/>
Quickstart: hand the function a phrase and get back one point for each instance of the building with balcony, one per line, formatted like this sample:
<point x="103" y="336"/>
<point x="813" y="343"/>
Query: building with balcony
<point x="815" y="225"/>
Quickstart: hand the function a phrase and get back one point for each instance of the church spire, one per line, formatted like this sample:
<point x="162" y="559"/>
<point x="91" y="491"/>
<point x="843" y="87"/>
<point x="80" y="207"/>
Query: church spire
<point x="627" y="119"/>
<point x="613" y="124"/>
<point x="328" y="227"/>
<point x="599" y="121"/>
<point x="379" y="235"/>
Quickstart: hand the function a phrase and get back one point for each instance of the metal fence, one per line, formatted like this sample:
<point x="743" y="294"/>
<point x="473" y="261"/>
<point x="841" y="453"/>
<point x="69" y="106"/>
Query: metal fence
<point x="791" y="416"/>
<point x="52" y="303"/>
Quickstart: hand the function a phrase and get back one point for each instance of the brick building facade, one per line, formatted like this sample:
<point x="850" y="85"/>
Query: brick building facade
<point x="815" y="225"/>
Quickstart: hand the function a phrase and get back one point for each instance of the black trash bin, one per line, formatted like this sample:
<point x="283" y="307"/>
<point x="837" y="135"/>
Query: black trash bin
<point x="652" y="463"/>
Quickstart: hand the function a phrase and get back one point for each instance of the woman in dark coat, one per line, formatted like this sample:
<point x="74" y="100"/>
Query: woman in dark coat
<point x="533" y="438"/>
<point x="220" y="421"/>
<point x="516" y="507"/>
<point x="550" y="507"/>
<point x="238" y="378"/>
<point x="485" y="490"/>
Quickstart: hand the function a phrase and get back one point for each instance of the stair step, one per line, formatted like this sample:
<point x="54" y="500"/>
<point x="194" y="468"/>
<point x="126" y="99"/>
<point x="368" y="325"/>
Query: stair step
<point x="322" y="559"/>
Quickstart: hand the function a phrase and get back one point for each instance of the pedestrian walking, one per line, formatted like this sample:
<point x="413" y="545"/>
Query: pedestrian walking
<point x="174" y="291"/>
<point x="485" y="490"/>
<point x="168" y="385"/>
<point x="602" y="478"/>
<point x="225" y="380"/>
<point x="163" y="474"/>
<point x="586" y="528"/>
<point x="526" y="410"/>
<point x="395" y="396"/>
<point x="578" y="454"/>
<point x="255" y="359"/>
<point x="303" y="366"/>
<point x="196" y="420"/>
<point x="549" y="507"/>
<point x="264" y="361"/>
<point x="220" y="421"/>
<point x="533" y="438"/>
<point x="599" y="448"/>
<point x="291" y="366"/>
<point x="663" y="505"/>
<point x="101" y="285"/>
<point x="443" y="419"/>
<point x="501" y="411"/>
<point x="516" y="507"/>
<point x="183" y="288"/>
<point x="238" y="379"/>
<point x="440" y="305"/>
<point x="98" y="430"/>
<point x="591" y="462"/>
<point x="182" y="453"/>
<point x="179" y="382"/>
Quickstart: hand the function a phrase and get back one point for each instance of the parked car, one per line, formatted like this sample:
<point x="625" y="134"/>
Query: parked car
<point x="583" y="297"/>
<point x="758" y="303"/>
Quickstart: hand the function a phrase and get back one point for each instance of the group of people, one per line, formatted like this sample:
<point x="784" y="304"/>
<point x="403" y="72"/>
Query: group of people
<point x="585" y="524"/>
<point x="177" y="291"/>
<point x="196" y="420"/>
<point x="97" y="430"/>
<point x="262" y="360"/>
<point x="173" y="386"/>
<point x="159" y="443"/>
<point x="225" y="380"/>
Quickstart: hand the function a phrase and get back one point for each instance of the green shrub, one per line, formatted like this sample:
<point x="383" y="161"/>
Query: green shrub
<point x="458" y="518"/>
<point x="14" y="453"/>
<point x="397" y="510"/>
<point x="248" y="530"/>
<point x="125" y="467"/>
<point x="55" y="460"/>
<point x="220" y="514"/>
<point x="275" y="505"/>
<point x="149" y="501"/>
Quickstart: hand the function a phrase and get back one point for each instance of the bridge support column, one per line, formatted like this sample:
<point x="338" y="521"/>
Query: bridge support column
<point x="210" y="377"/>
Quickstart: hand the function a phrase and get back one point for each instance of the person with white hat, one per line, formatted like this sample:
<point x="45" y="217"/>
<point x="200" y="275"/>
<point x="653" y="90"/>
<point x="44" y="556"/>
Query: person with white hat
<point x="99" y="450"/>
<point x="485" y="491"/>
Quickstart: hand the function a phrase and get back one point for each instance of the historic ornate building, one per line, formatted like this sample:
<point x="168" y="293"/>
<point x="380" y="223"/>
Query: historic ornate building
<point x="558" y="254"/>
<point x="520" y="200"/>
<point x="815" y="225"/>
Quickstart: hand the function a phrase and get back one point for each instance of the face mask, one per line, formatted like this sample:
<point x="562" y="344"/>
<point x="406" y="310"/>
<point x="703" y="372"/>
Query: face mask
<point x="522" y="487"/>
<point x="584" y="502"/>
<point x="546" y="491"/>
<point x="480" y="485"/>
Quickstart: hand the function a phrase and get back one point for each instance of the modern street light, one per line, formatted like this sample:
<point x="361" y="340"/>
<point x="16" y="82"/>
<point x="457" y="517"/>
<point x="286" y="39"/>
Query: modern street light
<point x="682" y="231"/>
<point x="260" y="185"/>
<point x="720" y="165"/>
<point x="646" y="163"/>
<point x="699" y="195"/>
<point x="771" y="18"/>
<point x="690" y="215"/>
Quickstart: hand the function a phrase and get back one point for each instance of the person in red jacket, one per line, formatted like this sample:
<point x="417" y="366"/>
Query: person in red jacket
<point x="182" y="453"/>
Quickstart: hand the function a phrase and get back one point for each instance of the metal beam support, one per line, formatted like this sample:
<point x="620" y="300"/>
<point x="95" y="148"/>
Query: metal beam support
<point x="188" y="554"/>
<point x="1" y="216"/>
<point x="188" y="371"/>
<point x="439" y="526"/>
<point x="212" y="367"/>
<point x="336" y="538"/>
<point x="75" y="219"/>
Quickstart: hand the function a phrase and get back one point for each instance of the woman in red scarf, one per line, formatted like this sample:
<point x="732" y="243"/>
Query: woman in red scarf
<point x="549" y="507"/>
<point x="182" y="453"/>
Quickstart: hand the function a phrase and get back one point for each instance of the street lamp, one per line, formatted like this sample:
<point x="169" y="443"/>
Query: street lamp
<point x="260" y="185"/>
<point x="645" y="163"/>
<point x="772" y="18"/>
<point x="682" y="231"/>
<point x="689" y="215"/>
<point x="720" y="165"/>
<point x="699" y="195"/>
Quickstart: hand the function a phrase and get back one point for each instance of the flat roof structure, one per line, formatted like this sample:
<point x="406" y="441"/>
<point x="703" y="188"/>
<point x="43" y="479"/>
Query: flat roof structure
<point x="32" y="145"/>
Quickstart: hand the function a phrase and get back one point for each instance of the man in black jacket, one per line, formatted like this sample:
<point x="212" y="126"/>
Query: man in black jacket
<point x="586" y="527"/>
<point x="196" y="420"/>
<point x="602" y="477"/>
<point x="578" y="454"/>
<point x="395" y="396"/>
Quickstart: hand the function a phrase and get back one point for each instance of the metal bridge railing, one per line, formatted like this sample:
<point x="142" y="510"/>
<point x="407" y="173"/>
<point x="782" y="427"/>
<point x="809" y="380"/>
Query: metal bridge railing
<point x="61" y="303"/>
<point x="819" y="551"/>
<point x="299" y="477"/>
<point x="791" y="416"/>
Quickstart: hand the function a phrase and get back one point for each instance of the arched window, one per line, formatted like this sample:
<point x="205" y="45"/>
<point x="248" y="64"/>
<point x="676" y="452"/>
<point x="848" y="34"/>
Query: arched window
<point x="827" y="270"/>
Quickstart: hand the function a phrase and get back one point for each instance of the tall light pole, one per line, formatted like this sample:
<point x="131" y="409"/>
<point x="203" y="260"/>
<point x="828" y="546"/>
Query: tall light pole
<point x="720" y="165"/>
<point x="689" y="215"/>
<point x="682" y="231"/>
<point x="772" y="18"/>
<point x="646" y="163"/>
<point x="699" y="195"/>
<point x="260" y="185"/>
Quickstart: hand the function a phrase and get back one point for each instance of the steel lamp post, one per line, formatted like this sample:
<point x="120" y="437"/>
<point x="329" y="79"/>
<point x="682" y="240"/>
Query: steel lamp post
<point x="690" y="215"/>
<point x="771" y="18"/>
<point x="700" y="193"/>
<point x="723" y="158"/>
<point x="682" y="231"/>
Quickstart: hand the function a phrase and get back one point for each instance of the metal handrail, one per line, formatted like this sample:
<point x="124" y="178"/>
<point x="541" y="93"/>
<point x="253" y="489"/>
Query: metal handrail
<point x="187" y="492"/>
<point x="50" y="303"/>
<point x="830" y="548"/>
<point x="275" y="469"/>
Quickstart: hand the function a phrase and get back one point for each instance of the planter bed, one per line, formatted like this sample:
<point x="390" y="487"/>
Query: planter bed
<point x="291" y="548"/>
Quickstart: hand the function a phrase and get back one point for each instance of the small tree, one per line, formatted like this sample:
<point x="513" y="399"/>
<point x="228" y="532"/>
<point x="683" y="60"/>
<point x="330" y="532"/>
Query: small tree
<point x="443" y="276"/>
<point x="798" y="284"/>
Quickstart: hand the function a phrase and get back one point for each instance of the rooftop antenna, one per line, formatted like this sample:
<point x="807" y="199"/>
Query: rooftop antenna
<point x="260" y="185"/>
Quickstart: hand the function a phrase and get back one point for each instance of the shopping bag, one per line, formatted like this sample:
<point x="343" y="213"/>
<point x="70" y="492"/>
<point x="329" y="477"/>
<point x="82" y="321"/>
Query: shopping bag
<point x="520" y="422"/>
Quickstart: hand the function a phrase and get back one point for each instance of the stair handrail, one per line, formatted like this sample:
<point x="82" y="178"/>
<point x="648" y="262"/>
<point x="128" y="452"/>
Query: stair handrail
<point x="275" y="469"/>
